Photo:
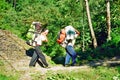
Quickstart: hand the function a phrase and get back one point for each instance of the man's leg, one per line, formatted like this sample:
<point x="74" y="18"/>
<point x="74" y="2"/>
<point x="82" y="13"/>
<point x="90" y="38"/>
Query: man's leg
<point x="67" y="59"/>
<point x="41" y="56"/>
<point x="33" y="59"/>
<point x="72" y="53"/>
<point x="39" y="62"/>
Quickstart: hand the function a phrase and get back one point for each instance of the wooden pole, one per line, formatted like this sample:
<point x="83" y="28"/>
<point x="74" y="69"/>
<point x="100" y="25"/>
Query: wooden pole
<point x="108" y="20"/>
<point x="90" y="24"/>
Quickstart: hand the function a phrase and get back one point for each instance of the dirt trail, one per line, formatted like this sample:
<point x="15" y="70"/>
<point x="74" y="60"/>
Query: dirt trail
<point x="23" y="66"/>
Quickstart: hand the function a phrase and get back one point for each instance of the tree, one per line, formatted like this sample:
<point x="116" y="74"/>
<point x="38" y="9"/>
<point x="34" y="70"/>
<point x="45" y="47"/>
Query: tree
<point x="90" y="24"/>
<point x="13" y="2"/>
<point x="108" y="20"/>
<point x="8" y="1"/>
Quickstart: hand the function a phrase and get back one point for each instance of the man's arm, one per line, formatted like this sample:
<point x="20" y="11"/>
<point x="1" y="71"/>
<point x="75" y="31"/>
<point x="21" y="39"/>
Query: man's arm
<point x="77" y="32"/>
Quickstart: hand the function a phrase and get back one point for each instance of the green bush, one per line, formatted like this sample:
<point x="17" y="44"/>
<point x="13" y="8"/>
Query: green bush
<point x="55" y="15"/>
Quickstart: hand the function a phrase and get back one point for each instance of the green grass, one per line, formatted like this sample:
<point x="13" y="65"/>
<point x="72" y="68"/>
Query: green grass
<point x="3" y="77"/>
<point x="7" y="77"/>
<point x="99" y="73"/>
<point x="6" y="73"/>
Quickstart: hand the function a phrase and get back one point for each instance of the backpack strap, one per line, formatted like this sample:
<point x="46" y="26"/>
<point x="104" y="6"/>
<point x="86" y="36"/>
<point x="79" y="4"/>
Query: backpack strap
<point x="35" y="30"/>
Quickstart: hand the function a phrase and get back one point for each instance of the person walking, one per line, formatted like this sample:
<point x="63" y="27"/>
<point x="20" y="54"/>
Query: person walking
<point x="68" y="43"/>
<point x="71" y="35"/>
<point x="37" y="40"/>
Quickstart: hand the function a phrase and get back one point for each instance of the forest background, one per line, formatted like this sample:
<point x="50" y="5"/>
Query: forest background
<point x="17" y="15"/>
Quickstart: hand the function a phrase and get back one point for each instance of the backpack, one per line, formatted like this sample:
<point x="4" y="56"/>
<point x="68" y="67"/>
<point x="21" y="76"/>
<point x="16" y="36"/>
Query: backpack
<point x="61" y="36"/>
<point x="32" y="33"/>
<point x="70" y="33"/>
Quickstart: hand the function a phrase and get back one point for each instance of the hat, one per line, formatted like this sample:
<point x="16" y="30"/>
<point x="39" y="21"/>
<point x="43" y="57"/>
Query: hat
<point x="46" y="31"/>
<point x="36" y="24"/>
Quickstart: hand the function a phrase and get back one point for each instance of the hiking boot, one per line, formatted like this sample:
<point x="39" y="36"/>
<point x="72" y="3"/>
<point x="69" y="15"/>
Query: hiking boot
<point x="46" y="67"/>
<point x="75" y="65"/>
<point x="67" y="65"/>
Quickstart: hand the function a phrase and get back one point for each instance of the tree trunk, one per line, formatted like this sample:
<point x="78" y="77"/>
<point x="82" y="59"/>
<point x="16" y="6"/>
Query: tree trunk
<point x="83" y="40"/>
<point x="14" y="4"/>
<point x="108" y="20"/>
<point x="90" y="24"/>
<point x="9" y="1"/>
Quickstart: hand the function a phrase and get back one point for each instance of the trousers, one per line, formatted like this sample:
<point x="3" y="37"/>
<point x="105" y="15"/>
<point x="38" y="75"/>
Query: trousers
<point x="36" y="56"/>
<point x="70" y="53"/>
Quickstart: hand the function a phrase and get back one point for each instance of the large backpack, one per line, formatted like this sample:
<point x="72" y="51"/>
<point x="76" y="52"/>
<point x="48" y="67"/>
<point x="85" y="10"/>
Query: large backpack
<point x="32" y="32"/>
<point x="70" y="33"/>
<point x="61" y="36"/>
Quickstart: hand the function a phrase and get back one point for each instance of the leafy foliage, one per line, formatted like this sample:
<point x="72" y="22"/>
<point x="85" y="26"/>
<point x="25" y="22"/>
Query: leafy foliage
<point x="56" y="14"/>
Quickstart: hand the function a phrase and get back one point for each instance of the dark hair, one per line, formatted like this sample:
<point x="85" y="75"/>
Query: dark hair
<point x="38" y="24"/>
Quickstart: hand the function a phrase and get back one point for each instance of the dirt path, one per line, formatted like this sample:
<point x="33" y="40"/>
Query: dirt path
<point x="23" y="67"/>
<point x="29" y="71"/>
<point x="26" y="72"/>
